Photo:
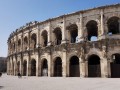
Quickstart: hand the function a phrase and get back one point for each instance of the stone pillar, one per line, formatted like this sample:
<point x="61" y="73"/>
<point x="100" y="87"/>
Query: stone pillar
<point x="37" y="65"/>
<point x="49" y="34"/>
<point x="64" y="64"/>
<point x="49" y="65"/>
<point x="104" y="68"/>
<point x="102" y="22"/>
<point x="82" y="68"/>
<point x="21" y="66"/>
<point x="86" y="68"/>
<point x="68" y="68"/>
<point x="80" y="29"/>
<point x="28" y="67"/>
<point x="38" y="37"/>
<point x="52" y="68"/>
<point x="22" y="47"/>
<point x="109" y="68"/>
<point x="29" y="39"/>
<point x="64" y="31"/>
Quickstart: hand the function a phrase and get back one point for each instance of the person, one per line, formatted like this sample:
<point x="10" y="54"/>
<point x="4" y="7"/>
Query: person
<point x="0" y="74"/>
<point x="19" y="75"/>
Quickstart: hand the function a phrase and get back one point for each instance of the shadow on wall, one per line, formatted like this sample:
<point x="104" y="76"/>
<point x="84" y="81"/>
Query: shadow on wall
<point x="1" y="87"/>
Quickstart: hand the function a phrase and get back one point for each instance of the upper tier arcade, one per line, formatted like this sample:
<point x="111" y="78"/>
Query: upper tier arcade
<point x="89" y="25"/>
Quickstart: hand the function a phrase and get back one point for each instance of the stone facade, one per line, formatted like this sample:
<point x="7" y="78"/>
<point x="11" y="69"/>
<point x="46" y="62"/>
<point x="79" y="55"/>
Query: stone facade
<point x="81" y="44"/>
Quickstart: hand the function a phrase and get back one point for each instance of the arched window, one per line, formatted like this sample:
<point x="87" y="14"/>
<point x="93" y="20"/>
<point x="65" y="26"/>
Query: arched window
<point x="92" y="29"/>
<point x="44" y="38"/>
<point x="73" y="29"/>
<point x="58" y="36"/>
<point x="113" y="25"/>
<point x="33" y="40"/>
<point x="25" y="43"/>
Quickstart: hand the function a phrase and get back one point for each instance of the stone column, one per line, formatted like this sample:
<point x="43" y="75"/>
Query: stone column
<point x="28" y="67"/>
<point x="104" y="68"/>
<point x="49" y="65"/>
<point x="52" y="68"/>
<point x="86" y="68"/>
<point x="109" y="67"/>
<point x="64" y="64"/>
<point x="80" y="29"/>
<point x="39" y="67"/>
<point x="68" y="68"/>
<point x="16" y="43"/>
<point x="102" y="22"/>
<point x="29" y="39"/>
<point x="37" y="60"/>
<point x="49" y="34"/>
<point x="21" y="66"/>
<point x="38" y="37"/>
<point x="22" y="47"/>
<point x="64" y="31"/>
<point x="82" y="68"/>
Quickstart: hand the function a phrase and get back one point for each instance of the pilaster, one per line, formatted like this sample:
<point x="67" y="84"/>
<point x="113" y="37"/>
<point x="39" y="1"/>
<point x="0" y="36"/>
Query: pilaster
<point x="64" y="64"/>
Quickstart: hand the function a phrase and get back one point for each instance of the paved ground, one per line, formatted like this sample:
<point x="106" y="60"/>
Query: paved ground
<point x="59" y="83"/>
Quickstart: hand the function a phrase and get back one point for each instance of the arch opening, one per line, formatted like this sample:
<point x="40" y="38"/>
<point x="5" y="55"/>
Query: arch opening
<point x="92" y="29"/>
<point x="33" y="40"/>
<point x="25" y="43"/>
<point x="24" y="68"/>
<point x="19" y="44"/>
<point x="94" y="69"/>
<point x="58" y="67"/>
<point x="45" y="38"/>
<point x="33" y="67"/>
<point x="113" y="25"/>
<point x="73" y="29"/>
<point x="58" y="36"/>
<point x="74" y="69"/>
<point x="44" y="68"/>
<point x="115" y="66"/>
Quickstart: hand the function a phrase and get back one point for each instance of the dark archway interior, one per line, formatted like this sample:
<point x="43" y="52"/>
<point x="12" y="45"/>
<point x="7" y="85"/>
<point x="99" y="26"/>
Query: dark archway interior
<point x="25" y="43"/>
<point x="73" y="32"/>
<point x="44" y="68"/>
<point x="24" y="68"/>
<point x="94" y="69"/>
<point x="25" y="40"/>
<point x="34" y="38"/>
<point x="58" y="67"/>
<point x="45" y="38"/>
<point x="58" y="36"/>
<point x="74" y="70"/>
<point x="115" y="66"/>
<point x="92" y="29"/>
<point x="33" y="68"/>
<point x="19" y="42"/>
<point x="113" y="25"/>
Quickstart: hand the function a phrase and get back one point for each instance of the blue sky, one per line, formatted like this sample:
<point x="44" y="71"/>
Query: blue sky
<point x="15" y="13"/>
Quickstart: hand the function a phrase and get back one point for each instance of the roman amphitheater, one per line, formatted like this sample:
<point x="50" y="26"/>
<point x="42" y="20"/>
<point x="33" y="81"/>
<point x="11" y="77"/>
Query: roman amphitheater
<point x="81" y="44"/>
